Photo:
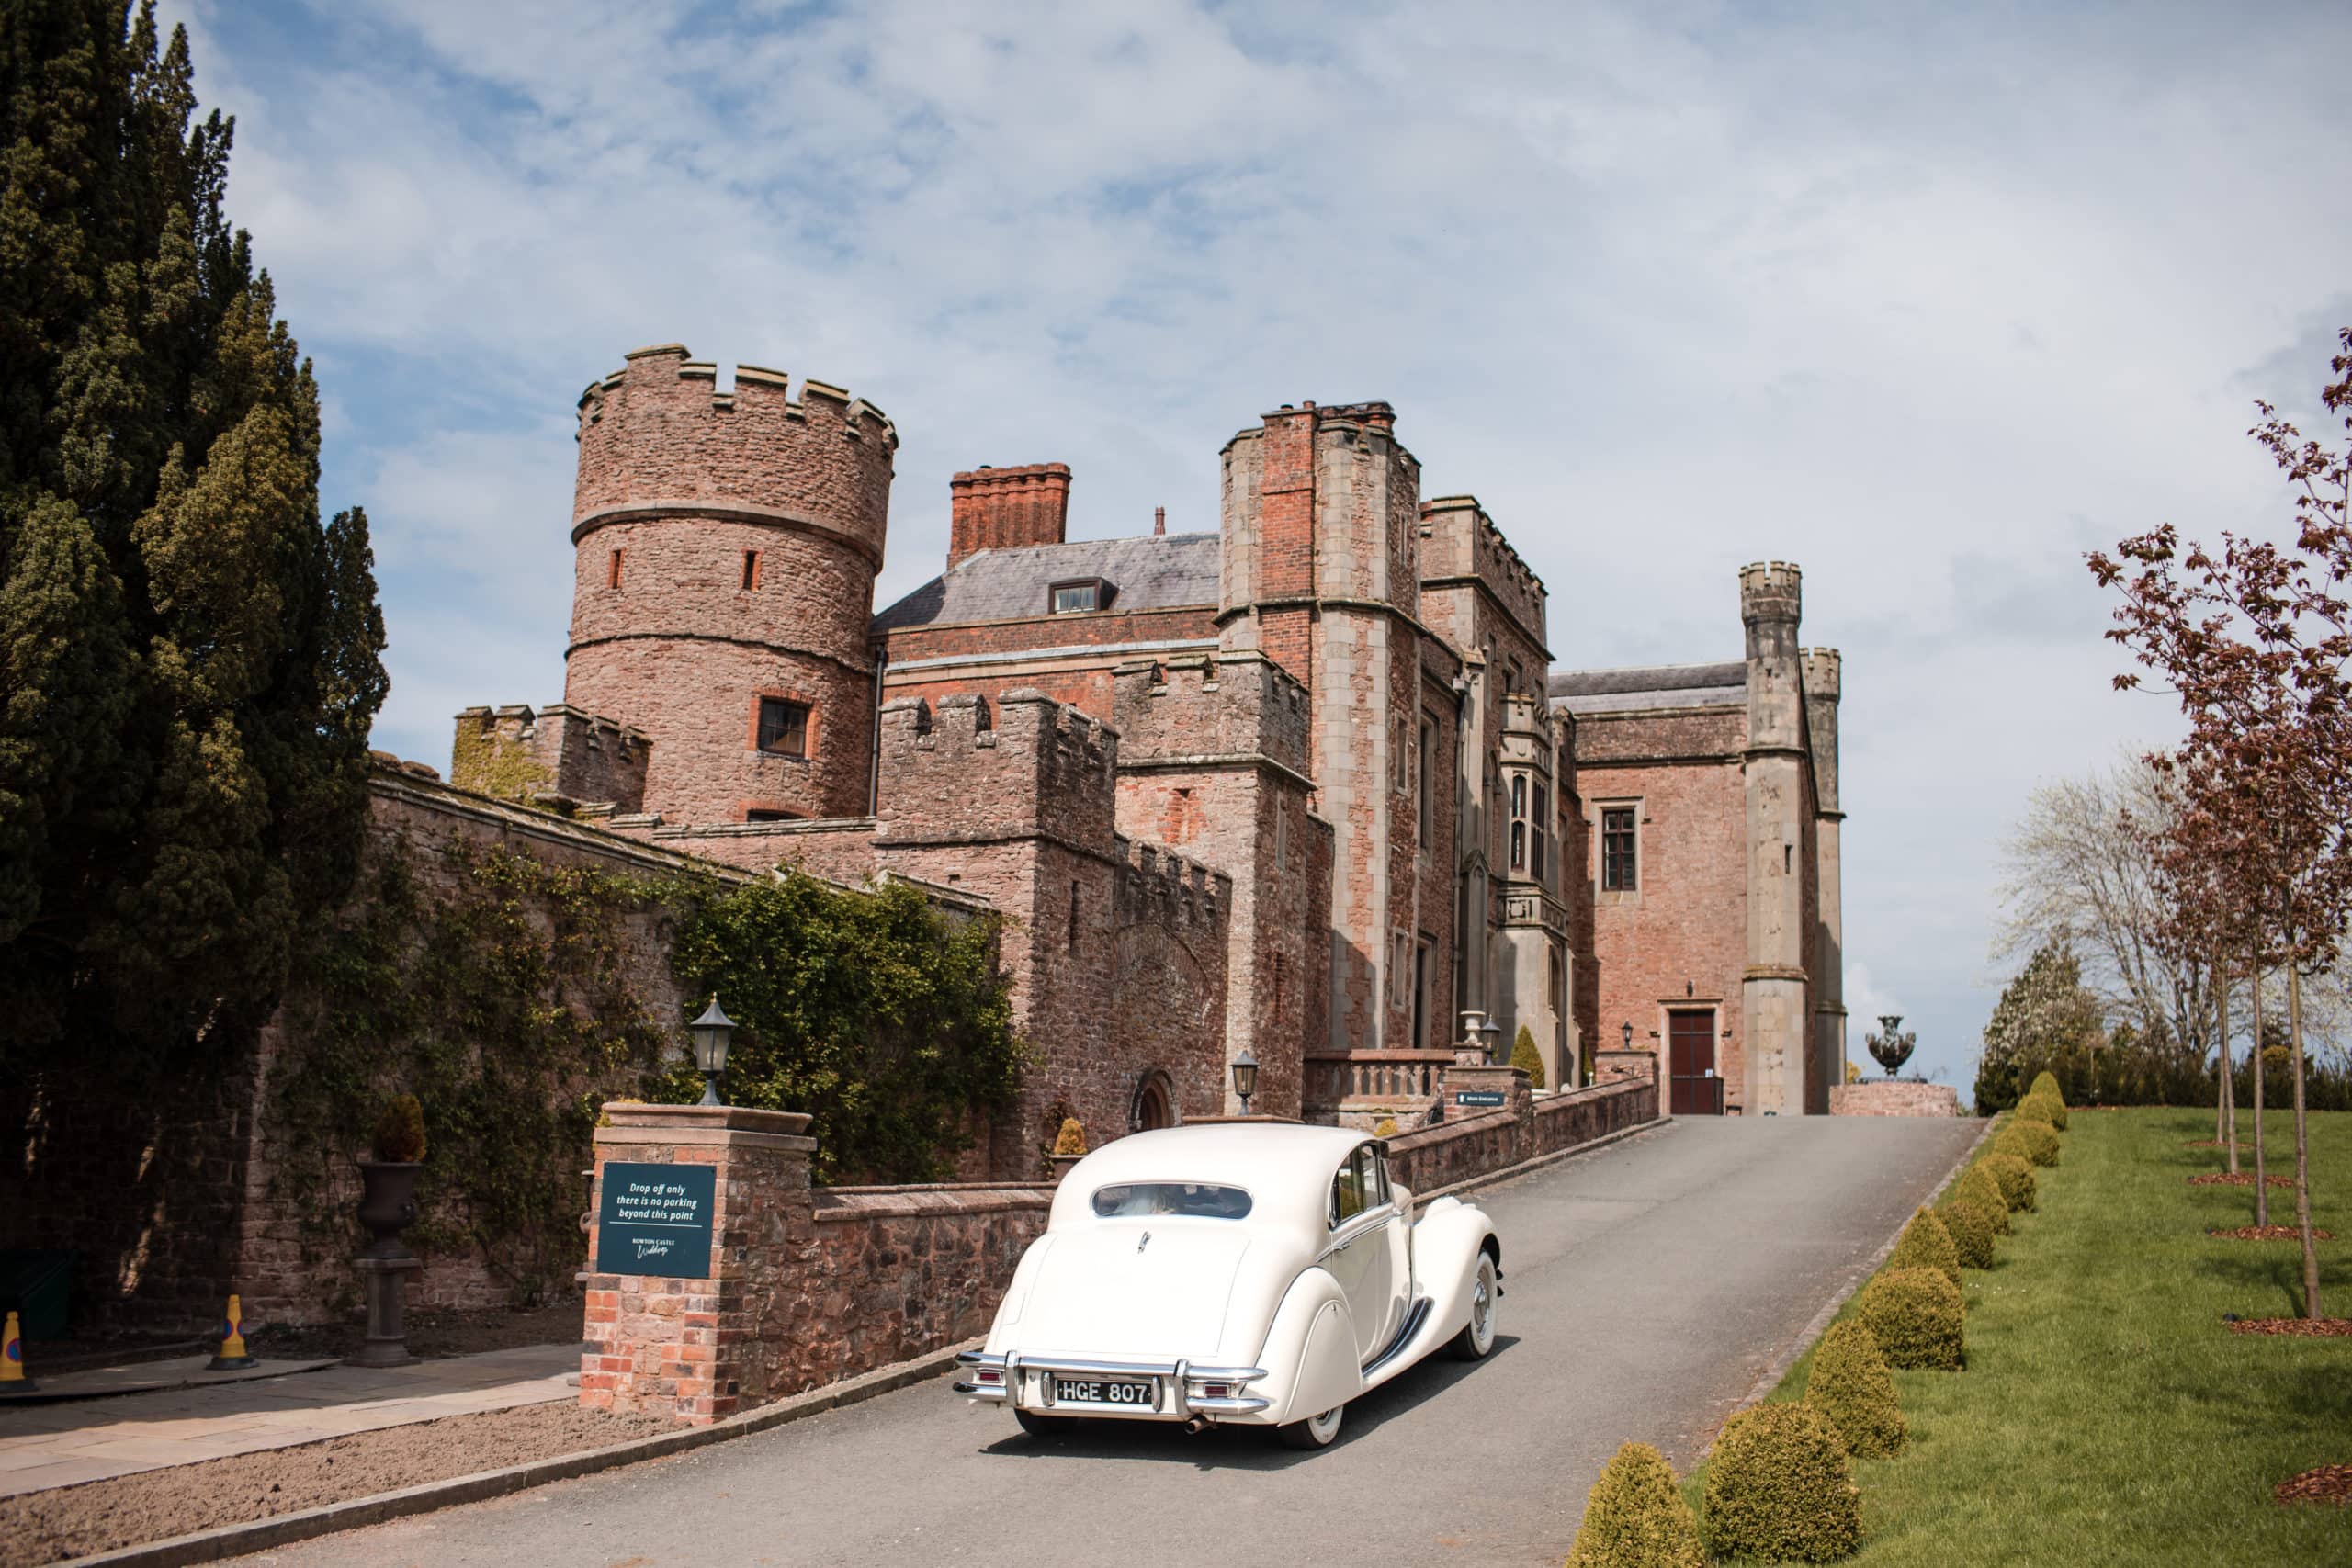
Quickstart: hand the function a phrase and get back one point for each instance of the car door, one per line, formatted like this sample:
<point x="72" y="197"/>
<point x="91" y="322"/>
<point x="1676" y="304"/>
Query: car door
<point x="1363" y="1255"/>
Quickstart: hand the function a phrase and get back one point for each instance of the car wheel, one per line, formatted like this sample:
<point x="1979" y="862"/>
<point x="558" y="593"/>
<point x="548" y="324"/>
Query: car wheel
<point x="1315" y="1432"/>
<point x="1477" y="1336"/>
<point x="1038" y="1426"/>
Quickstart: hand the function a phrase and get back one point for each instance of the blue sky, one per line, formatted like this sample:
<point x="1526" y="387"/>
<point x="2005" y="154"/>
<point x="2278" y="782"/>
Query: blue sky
<point x="1929" y="300"/>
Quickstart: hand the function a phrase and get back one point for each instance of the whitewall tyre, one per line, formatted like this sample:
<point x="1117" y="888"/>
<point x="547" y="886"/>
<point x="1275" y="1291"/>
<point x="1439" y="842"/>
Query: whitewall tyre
<point x="1477" y="1336"/>
<point x="1315" y="1432"/>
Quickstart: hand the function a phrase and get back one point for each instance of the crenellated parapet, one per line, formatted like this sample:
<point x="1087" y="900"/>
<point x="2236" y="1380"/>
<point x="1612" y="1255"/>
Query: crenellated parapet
<point x="1460" y="543"/>
<point x="1157" y="886"/>
<point x="1211" y="708"/>
<point x="971" y="769"/>
<point x="556" y="756"/>
<point x="1822" y="670"/>
<point x="658" y="432"/>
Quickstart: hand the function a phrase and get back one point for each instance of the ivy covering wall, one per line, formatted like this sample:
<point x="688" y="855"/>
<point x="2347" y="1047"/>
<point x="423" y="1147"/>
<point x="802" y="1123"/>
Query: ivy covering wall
<point x="887" y="1019"/>
<point x="514" y="997"/>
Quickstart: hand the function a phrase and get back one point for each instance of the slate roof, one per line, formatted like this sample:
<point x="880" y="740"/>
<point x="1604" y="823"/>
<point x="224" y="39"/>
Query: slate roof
<point x="1657" y="686"/>
<point x="1154" y="571"/>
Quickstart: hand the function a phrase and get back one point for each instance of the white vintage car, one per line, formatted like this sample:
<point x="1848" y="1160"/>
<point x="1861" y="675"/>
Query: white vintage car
<point x="1241" y="1273"/>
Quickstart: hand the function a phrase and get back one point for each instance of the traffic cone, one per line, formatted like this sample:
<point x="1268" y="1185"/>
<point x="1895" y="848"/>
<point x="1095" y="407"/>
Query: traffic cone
<point x="11" y="1360"/>
<point x="233" y="1356"/>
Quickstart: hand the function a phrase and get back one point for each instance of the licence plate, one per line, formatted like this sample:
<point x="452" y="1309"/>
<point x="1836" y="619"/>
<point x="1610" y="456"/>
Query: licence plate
<point x="1126" y="1393"/>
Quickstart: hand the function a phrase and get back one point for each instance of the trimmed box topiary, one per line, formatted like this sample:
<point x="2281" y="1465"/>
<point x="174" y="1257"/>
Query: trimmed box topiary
<point x="1925" y="1244"/>
<point x="2016" y="1176"/>
<point x="1976" y="1186"/>
<point x="2039" y="1139"/>
<point x="2047" y="1109"/>
<point x="1636" y="1518"/>
<point x="1970" y="1221"/>
<point x="1780" y="1489"/>
<point x="2009" y="1140"/>
<point x="400" y="1132"/>
<point x="1070" y="1140"/>
<point x="1527" y="1058"/>
<point x="1918" y="1318"/>
<point x="2046" y="1082"/>
<point x="1850" y="1386"/>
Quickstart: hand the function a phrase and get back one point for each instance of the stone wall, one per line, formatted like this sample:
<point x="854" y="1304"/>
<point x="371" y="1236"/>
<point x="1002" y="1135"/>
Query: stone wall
<point x="1899" y="1098"/>
<point x="901" y="1272"/>
<point x="1526" y="1127"/>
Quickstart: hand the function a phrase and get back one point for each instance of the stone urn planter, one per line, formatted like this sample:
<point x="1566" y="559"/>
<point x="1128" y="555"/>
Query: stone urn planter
<point x="1062" y="1164"/>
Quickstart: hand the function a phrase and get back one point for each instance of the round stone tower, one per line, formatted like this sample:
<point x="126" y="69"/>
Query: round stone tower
<point x="1773" y="1006"/>
<point x="724" y="547"/>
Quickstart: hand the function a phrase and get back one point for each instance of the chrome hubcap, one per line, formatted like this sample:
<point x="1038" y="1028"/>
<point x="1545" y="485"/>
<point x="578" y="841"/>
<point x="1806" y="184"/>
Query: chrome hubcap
<point x="1482" y="1306"/>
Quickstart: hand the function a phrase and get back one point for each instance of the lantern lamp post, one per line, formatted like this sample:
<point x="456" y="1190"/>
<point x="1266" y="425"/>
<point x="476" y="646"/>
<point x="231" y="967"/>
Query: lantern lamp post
<point x="1625" y="1033"/>
<point x="711" y="1033"/>
<point x="1245" y="1077"/>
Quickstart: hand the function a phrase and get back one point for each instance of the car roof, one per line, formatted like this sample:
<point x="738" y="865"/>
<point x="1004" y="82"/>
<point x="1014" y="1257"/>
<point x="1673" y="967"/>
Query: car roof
<point x="1286" y="1166"/>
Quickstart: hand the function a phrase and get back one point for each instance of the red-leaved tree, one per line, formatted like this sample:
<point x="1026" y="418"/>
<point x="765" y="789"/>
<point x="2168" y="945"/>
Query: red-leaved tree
<point x="2255" y="639"/>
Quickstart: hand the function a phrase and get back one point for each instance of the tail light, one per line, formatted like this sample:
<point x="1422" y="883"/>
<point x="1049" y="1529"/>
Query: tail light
<point x="1216" y="1390"/>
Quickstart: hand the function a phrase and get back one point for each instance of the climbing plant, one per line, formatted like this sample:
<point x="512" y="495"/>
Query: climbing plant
<point x="496" y="987"/>
<point x="886" y="1019"/>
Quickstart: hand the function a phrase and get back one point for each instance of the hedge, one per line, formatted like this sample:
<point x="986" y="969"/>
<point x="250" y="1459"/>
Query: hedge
<point x="1850" y="1386"/>
<point x="1636" y="1518"/>
<point x="1780" y="1488"/>
<point x="1918" y="1318"/>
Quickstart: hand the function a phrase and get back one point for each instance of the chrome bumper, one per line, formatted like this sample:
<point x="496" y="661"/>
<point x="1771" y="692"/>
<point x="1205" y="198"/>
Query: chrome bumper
<point x="1000" y="1378"/>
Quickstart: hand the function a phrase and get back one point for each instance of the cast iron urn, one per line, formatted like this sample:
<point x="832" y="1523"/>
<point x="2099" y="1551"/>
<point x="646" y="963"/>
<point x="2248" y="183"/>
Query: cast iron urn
<point x="388" y="1204"/>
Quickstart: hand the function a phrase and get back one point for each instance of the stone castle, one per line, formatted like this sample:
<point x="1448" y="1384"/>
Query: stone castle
<point x="1307" y="786"/>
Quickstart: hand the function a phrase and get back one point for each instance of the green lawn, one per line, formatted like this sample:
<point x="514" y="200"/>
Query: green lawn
<point x="2107" y="1415"/>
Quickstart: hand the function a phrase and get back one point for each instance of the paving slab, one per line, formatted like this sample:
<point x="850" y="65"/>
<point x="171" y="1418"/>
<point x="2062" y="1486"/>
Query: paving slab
<point x="63" y="1444"/>
<point x="143" y="1377"/>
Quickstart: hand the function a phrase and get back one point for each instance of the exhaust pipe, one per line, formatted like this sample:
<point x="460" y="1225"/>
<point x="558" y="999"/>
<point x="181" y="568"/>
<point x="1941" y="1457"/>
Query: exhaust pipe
<point x="1196" y="1426"/>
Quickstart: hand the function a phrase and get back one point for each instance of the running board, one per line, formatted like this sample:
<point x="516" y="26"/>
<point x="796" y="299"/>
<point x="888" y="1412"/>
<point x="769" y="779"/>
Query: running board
<point x="1413" y="1321"/>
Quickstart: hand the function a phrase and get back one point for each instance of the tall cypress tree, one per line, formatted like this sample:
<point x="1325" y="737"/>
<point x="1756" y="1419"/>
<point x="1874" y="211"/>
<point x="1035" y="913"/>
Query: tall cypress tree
<point x="189" y="658"/>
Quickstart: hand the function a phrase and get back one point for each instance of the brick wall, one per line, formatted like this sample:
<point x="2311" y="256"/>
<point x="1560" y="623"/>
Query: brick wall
<point x="1680" y="939"/>
<point x="901" y="1272"/>
<point x="1007" y="508"/>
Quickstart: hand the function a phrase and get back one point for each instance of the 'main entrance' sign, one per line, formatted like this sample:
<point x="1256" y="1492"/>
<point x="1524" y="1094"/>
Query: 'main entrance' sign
<point x="655" y="1219"/>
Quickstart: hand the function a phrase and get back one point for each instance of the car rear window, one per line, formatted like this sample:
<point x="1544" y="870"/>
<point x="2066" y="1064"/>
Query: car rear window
<point x="1201" y="1200"/>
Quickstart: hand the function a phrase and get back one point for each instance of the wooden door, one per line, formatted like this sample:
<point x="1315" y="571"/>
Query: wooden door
<point x="1693" y="1089"/>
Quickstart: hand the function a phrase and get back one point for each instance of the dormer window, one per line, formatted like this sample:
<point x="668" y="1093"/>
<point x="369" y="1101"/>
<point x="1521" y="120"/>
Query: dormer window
<point x="1079" y="596"/>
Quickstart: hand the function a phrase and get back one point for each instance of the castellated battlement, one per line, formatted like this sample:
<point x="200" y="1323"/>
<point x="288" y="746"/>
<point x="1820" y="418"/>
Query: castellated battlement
<point x="972" y="768"/>
<point x="1461" y="541"/>
<point x="556" y="756"/>
<point x="1158" y="885"/>
<point x="1822" y="667"/>
<point x="1231" y="706"/>
<point x="1771" y="590"/>
<point x="659" y="432"/>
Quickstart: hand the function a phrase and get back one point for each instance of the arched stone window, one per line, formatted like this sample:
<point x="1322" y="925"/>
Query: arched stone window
<point x="1155" y="1102"/>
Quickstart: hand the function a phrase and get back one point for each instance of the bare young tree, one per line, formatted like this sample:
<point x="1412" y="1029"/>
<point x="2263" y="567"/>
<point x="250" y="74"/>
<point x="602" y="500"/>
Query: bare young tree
<point x="2081" y="869"/>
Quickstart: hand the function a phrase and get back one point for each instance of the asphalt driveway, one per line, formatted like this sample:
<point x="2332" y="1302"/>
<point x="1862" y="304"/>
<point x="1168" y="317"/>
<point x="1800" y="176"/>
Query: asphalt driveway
<point x="1649" y="1285"/>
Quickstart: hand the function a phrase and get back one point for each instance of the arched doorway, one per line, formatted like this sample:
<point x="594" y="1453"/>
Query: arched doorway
<point x="1155" y="1104"/>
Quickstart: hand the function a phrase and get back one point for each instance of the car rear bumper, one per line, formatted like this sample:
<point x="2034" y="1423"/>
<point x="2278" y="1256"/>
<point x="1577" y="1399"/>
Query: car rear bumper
<point x="1026" y="1383"/>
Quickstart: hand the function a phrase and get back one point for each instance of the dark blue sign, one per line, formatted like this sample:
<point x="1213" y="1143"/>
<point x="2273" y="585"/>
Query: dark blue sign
<point x="1477" y="1097"/>
<point x="655" y="1219"/>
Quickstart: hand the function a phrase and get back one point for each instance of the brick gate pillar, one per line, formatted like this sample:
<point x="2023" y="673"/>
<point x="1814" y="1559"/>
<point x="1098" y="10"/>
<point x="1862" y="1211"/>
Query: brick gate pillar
<point x="697" y="1348"/>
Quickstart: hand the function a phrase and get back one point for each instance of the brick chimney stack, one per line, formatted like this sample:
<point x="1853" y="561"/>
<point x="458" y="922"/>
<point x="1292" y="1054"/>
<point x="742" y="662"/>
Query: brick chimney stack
<point x="1158" y="521"/>
<point x="1006" y="508"/>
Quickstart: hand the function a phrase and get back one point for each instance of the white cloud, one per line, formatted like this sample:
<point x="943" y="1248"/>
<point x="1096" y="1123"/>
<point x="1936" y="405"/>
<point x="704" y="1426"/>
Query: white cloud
<point x="1928" y="300"/>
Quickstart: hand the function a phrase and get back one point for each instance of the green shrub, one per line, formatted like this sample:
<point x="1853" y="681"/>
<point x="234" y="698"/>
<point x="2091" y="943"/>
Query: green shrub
<point x="2016" y="1176"/>
<point x="1850" y="1386"/>
<point x="2010" y="1140"/>
<point x="1977" y="1186"/>
<point x="2046" y="1082"/>
<point x="1527" y="1058"/>
<point x="1925" y="1244"/>
<point x="400" y="1132"/>
<point x="1918" y="1317"/>
<point x="1636" y="1518"/>
<point x="1970" y="1222"/>
<point x="1780" y="1488"/>
<point x="2040" y="1141"/>
<point x="2045" y="1109"/>
<point x="1070" y="1139"/>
